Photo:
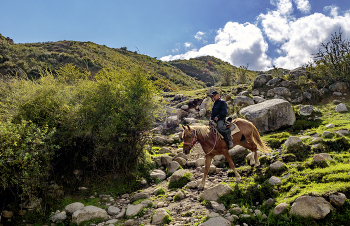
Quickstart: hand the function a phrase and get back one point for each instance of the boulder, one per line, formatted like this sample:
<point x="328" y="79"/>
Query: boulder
<point x="307" y="95"/>
<point x="159" y="140"/>
<point x="141" y="195"/>
<point x="292" y="140"/>
<point x="255" y="92"/>
<point x="261" y="80"/>
<point x="219" y="207"/>
<point x="113" y="210"/>
<point x="88" y="213"/>
<point x="258" y="99"/>
<point x="306" y="110"/>
<point x="216" y="221"/>
<point x="158" y="174"/>
<point x="318" y="158"/>
<point x="270" y="115"/>
<point x="281" y="91"/>
<point x="184" y="107"/>
<point x="243" y="101"/>
<point x="326" y="133"/>
<point x="178" y="97"/>
<point x="173" y="166"/>
<point x="200" y="162"/>
<point x="166" y="159"/>
<point x="180" y="160"/>
<point x="329" y="126"/>
<point x="337" y="199"/>
<point x="133" y="210"/>
<point x="177" y="175"/>
<point x="339" y="87"/>
<point x="214" y="193"/>
<point x="273" y="82"/>
<point x="275" y="180"/>
<point x="71" y="208"/>
<point x="341" y="108"/>
<point x="297" y="72"/>
<point x="159" y="215"/>
<point x="315" y="207"/>
<point x="130" y="222"/>
<point x="171" y="122"/>
<point x="280" y="208"/>
<point x="190" y="120"/>
<point x="58" y="217"/>
<point x="277" y="165"/>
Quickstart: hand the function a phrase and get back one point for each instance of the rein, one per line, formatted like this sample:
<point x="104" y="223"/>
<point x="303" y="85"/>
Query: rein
<point x="194" y="140"/>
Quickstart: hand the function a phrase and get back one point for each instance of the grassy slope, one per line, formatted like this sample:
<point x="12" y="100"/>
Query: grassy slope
<point x="31" y="58"/>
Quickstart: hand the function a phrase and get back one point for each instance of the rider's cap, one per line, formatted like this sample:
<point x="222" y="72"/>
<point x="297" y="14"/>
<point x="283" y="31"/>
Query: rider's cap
<point x="214" y="93"/>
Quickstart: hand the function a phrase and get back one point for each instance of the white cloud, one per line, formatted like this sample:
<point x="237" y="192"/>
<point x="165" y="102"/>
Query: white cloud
<point x="199" y="35"/>
<point x="303" y="5"/>
<point x="188" y="45"/>
<point x="237" y="44"/>
<point x="333" y="10"/>
<point x="275" y="26"/>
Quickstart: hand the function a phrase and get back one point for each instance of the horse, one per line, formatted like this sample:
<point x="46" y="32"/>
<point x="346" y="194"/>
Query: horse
<point x="213" y="144"/>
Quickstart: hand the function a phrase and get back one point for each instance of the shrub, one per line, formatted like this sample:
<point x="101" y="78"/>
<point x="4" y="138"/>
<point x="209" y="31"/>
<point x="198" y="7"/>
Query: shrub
<point x="26" y="151"/>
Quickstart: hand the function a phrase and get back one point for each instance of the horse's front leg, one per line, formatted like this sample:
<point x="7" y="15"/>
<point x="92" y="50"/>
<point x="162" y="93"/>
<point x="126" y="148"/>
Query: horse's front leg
<point x="232" y="165"/>
<point x="208" y="159"/>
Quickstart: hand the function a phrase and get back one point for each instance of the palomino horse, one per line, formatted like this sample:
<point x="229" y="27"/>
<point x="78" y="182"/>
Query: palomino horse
<point x="212" y="144"/>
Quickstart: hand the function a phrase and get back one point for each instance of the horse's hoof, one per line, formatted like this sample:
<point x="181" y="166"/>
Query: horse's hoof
<point x="238" y="179"/>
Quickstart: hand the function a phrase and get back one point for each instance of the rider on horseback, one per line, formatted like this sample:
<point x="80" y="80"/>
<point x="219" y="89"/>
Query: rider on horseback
<point x="218" y="114"/>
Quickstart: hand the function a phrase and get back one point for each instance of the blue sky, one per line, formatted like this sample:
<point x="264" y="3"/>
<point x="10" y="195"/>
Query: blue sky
<point x="260" y="32"/>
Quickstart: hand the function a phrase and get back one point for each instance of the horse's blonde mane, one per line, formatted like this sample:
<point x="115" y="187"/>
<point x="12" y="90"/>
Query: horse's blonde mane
<point x="202" y="131"/>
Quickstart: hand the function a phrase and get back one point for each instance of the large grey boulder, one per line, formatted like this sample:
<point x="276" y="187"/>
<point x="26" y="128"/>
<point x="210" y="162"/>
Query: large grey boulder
<point x="133" y="210"/>
<point x="216" y="221"/>
<point x="261" y="80"/>
<point x="158" y="174"/>
<point x="214" y="193"/>
<point x="71" y="208"/>
<point x="159" y="215"/>
<point x="58" y="217"/>
<point x="178" y="175"/>
<point x="281" y="91"/>
<point x="89" y="213"/>
<point x="270" y="115"/>
<point x="243" y="100"/>
<point x="315" y="207"/>
<point x="273" y="82"/>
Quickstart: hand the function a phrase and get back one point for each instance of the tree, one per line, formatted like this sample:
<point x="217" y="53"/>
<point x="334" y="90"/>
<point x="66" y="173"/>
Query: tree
<point x="333" y="57"/>
<point x="241" y="73"/>
<point x="226" y="76"/>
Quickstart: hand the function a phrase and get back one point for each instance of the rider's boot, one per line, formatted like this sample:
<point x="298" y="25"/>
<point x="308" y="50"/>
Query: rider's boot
<point x="228" y="139"/>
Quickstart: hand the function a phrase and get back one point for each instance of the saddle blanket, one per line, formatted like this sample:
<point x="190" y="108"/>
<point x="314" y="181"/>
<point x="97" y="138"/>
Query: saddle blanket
<point x="235" y="130"/>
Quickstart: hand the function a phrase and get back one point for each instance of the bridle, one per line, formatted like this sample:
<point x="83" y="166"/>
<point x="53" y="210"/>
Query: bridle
<point x="194" y="141"/>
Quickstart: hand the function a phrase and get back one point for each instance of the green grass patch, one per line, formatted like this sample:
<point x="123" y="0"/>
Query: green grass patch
<point x="182" y="182"/>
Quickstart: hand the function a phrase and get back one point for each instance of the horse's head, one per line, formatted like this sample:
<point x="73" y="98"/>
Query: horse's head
<point x="190" y="138"/>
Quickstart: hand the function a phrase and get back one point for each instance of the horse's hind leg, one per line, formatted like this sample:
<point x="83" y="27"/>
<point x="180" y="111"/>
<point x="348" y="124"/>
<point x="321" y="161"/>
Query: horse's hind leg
<point x="249" y="144"/>
<point x="232" y="165"/>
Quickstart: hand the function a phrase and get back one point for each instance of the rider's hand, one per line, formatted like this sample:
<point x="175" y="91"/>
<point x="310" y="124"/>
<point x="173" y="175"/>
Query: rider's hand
<point x="216" y="118"/>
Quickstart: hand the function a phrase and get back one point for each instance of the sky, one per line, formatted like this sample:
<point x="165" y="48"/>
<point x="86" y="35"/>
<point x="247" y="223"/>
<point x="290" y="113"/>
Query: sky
<point x="261" y="33"/>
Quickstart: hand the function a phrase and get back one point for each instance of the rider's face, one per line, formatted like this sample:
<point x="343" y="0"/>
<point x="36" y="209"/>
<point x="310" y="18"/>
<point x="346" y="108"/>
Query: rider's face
<point x="216" y="97"/>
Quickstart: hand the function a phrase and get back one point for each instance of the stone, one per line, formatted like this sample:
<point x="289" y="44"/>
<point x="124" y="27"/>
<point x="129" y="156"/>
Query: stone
<point x="166" y="159"/>
<point x="244" y="93"/>
<point x="297" y="100"/>
<point x="190" y="120"/>
<point x="129" y="222"/>
<point x="58" y="217"/>
<point x="192" y="184"/>
<point x="213" y="214"/>
<point x="337" y="199"/>
<point x="261" y="80"/>
<point x="270" y="115"/>
<point x="33" y="203"/>
<point x="341" y="108"/>
<point x="178" y="97"/>
<point x="315" y="207"/>
<point x="220" y="207"/>
<point x="280" y="208"/>
<point x="158" y="174"/>
<point x="307" y="95"/>
<point x="121" y="214"/>
<point x="243" y="101"/>
<point x="173" y="166"/>
<point x="214" y="193"/>
<point x="237" y="151"/>
<point x="329" y="126"/>
<point x="337" y="94"/>
<point x="255" y="92"/>
<point x="146" y="203"/>
<point x="339" y="87"/>
<point x="22" y="212"/>
<point x="133" y="210"/>
<point x="281" y="91"/>
<point x="177" y="175"/>
<point x="184" y="107"/>
<point x="285" y="83"/>
<point x="180" y="160"/>
<point x="297" y="72"/>
<point x="258" y="99"/>
<point x="216" y="221"/>
<point x="159" y="140"/>
<point x="237" y="210"/>
<point x="292" y="140"/>
<point x="88" y="213"/>
<point x="181" y="155"/>
<point x="141" y="195"/>
<point x="71" y="208"/>
<point x="181" y="194"/>
<point x="113" y="221"/>
<point x="257" y="212"/>
<point x="342" y="132"/>
<point x="277" y="165"/>
<point x="200" y="162"/>
<point x="326" y="133"/>
<point x="212" y="169"/>
<point x="306" y="110"/>
<point x="159" y="215"/>
<point x="164" y="150"/>
<point x="318" y="158"/>
<point x="273" y="82"/>
<point x="270" y="201"/>
<point x="7" y="214"/>
<point x="275" y="180"/>
<point x="113" y="210"/>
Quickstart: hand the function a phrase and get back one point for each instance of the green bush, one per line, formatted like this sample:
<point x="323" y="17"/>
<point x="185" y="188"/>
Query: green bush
<point x="26" y="151"/>
<point x="182" y="182"/>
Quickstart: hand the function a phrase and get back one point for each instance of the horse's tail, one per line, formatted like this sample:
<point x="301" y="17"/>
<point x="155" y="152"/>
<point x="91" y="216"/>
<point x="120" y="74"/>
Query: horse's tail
<point x="262" y="145"/>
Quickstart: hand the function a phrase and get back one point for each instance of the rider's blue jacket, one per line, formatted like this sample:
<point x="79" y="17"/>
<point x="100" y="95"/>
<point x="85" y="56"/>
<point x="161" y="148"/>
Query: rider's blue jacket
<point x="219" y="110"/>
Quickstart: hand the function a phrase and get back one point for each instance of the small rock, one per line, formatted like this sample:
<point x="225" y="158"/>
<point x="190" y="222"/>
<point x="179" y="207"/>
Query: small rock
<point x="200" y="162"/>
<point x="216" y="221"/>
<point x="218" y="207"/>
<point x="326" y="133"/>
<point x="275" y="180"/>
<point x="129" y="222"/>
<point x="158" y="174"/>
<point x="112" y="210"/>
<point x="270" y="201"/>
<point x="159" y="215"/>
<point x="279" y="208"/>
<point x="292" y="140"/>
<point x="341" y="108"/>
<point x="59" y="217"/>
<point x="71" y="208"/>
<point x="306" y="110"/>
<point x="277" y="165"/>
<point x="7" y="214"/>
<point x="237" y="210"/>
<point x="338" y="199"/>
<point x="318" y="158"/>
<point x="330" y="126"/>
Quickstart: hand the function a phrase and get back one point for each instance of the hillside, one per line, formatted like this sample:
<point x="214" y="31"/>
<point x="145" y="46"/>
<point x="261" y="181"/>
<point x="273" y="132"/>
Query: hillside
<point x="32" y="58"/>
